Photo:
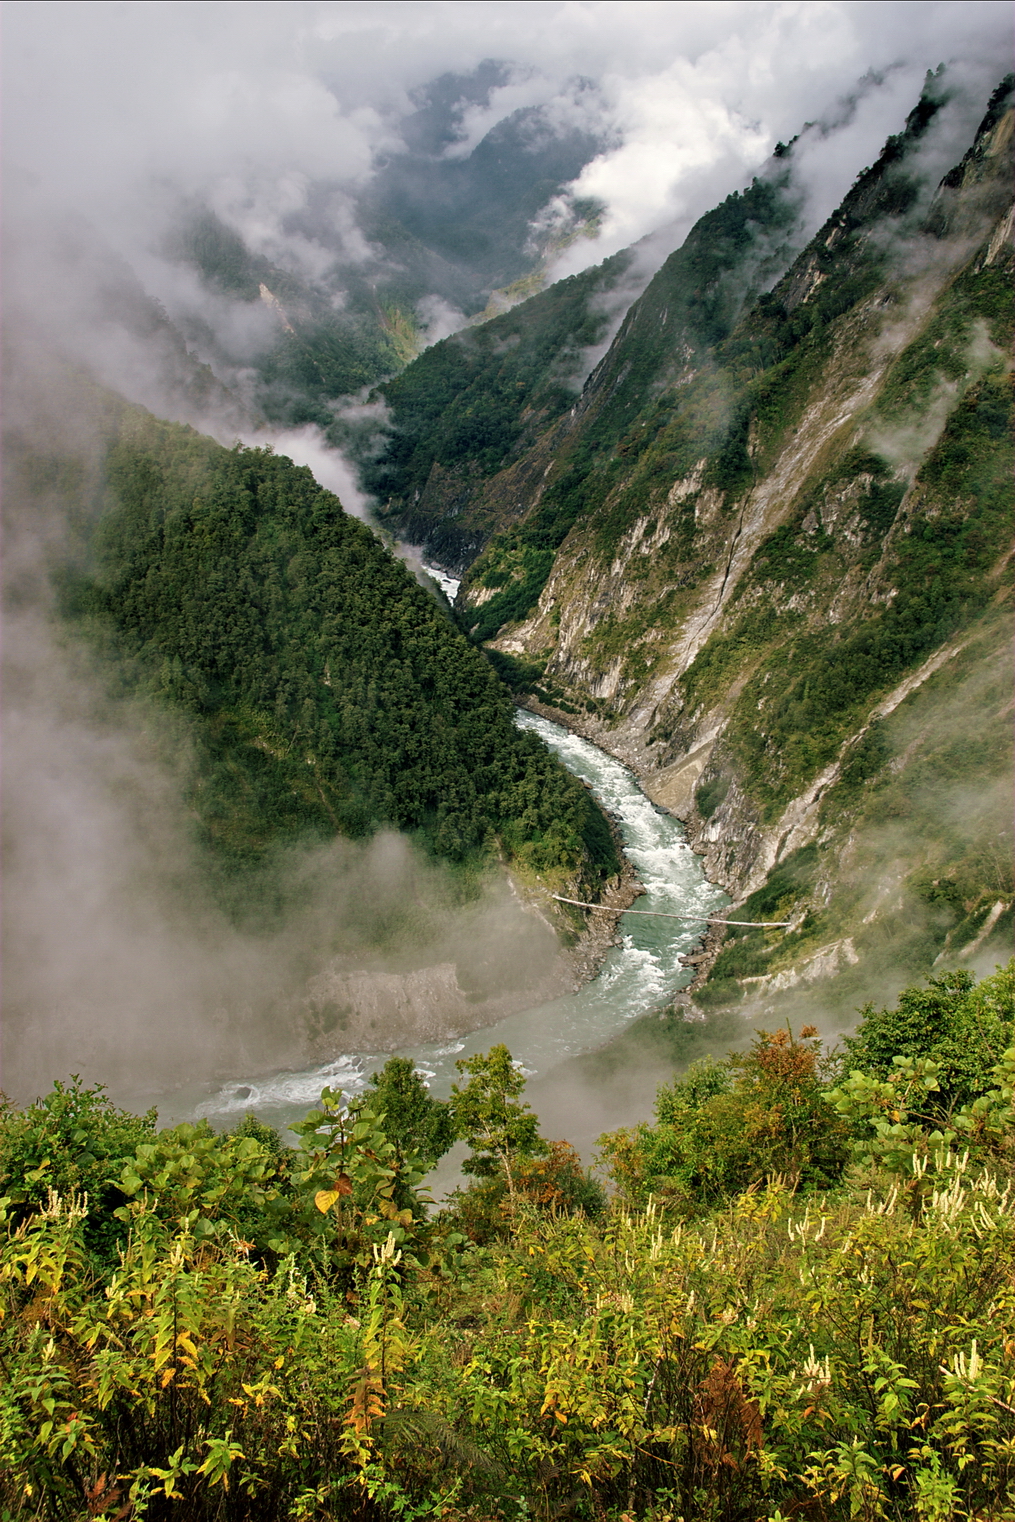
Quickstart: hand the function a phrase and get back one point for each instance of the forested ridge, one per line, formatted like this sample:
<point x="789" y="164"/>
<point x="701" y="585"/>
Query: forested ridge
<point x="797" y="1302"/>
<point x="476" y="400"/>
<point x="327" y="691"/>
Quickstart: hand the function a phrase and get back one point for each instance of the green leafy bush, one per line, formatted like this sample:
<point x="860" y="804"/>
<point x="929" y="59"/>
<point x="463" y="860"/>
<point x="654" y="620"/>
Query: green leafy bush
<point x="962" y="1026"/>
<point x="411" y="1119"/>
<point x="791" y="1331"/>
<point x="70" y="1143"/>
<point x="723" y="1128"/>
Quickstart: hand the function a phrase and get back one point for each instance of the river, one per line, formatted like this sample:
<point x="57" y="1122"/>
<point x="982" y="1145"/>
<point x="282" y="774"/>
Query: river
<point x="642" y="972"/>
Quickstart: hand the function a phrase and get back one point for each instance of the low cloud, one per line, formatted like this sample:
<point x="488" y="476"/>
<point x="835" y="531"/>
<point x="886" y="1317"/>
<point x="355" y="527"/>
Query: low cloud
<point x="121" y="964"/>
<point x="438" y="319"/>
<point x="122" y="961"/>
<point x="117" y="112"/>
<point x="908" y="438"/>
<point x="308" y="446"/>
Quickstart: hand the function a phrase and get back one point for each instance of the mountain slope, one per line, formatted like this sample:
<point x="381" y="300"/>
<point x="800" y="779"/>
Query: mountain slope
<point x="477" y="401"/>
<point x="439" y="464"/>
<point x="785" y="534"/>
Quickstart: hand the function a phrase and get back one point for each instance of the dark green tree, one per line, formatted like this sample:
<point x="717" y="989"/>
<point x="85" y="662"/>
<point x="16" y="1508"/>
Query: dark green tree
<point x="490" y="1115"/>
<point x="412" y="1119"/>
<point x="964" y="1027"/>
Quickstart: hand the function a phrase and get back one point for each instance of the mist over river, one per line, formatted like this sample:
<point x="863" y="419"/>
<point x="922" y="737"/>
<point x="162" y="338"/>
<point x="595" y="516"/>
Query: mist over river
<point x="641" y="972"/>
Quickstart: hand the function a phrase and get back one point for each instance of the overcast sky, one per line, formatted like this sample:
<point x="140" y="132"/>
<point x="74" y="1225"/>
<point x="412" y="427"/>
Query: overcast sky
<point x="114" y="109"/>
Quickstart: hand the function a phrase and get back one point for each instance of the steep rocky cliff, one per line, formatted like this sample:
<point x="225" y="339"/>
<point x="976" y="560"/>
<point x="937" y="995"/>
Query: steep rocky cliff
<point x="764" y="558"/>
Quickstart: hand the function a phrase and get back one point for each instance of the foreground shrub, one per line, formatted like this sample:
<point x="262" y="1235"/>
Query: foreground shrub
<point x="725" y="1126"/>
<point x="779" y="1350"/>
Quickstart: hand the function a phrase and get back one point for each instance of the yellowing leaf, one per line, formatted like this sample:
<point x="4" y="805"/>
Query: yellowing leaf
<point x="324" y="1199"/>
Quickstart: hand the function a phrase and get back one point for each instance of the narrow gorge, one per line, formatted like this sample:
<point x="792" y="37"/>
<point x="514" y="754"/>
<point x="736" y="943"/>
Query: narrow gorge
<point x="507" y="762"/>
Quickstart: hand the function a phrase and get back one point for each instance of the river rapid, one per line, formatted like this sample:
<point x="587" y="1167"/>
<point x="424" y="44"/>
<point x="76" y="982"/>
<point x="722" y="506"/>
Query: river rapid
<point x="641" y="972"/>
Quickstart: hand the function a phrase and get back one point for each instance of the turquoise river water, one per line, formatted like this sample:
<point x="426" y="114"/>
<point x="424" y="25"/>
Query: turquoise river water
<point x="639" y="974"/>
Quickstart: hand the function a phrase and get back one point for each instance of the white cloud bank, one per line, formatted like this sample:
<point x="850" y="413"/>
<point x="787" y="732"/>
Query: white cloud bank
<point x="115" y="110"/>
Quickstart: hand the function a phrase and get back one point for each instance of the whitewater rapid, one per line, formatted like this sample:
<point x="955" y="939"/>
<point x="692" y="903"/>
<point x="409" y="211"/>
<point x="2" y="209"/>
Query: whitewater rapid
<point x="641" y="973"/>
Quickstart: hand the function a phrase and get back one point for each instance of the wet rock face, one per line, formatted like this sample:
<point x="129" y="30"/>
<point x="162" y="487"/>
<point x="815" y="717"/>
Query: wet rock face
<point x="356" y="1010"/>
<point x="364" y="1009"/>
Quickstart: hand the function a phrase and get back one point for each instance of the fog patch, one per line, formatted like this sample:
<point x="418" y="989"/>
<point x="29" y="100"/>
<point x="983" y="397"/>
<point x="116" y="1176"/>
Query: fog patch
<point x="130" y="956"/>
<point x="308" y="446"/>
<point x="438" y="319"/>
<point x="907" y="443"/>
<point x="120" y="962"/>
<point x="906" y="447"/>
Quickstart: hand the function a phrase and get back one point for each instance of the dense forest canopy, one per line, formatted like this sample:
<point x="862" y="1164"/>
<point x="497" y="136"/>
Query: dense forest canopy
<point x="327" y="690"/>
